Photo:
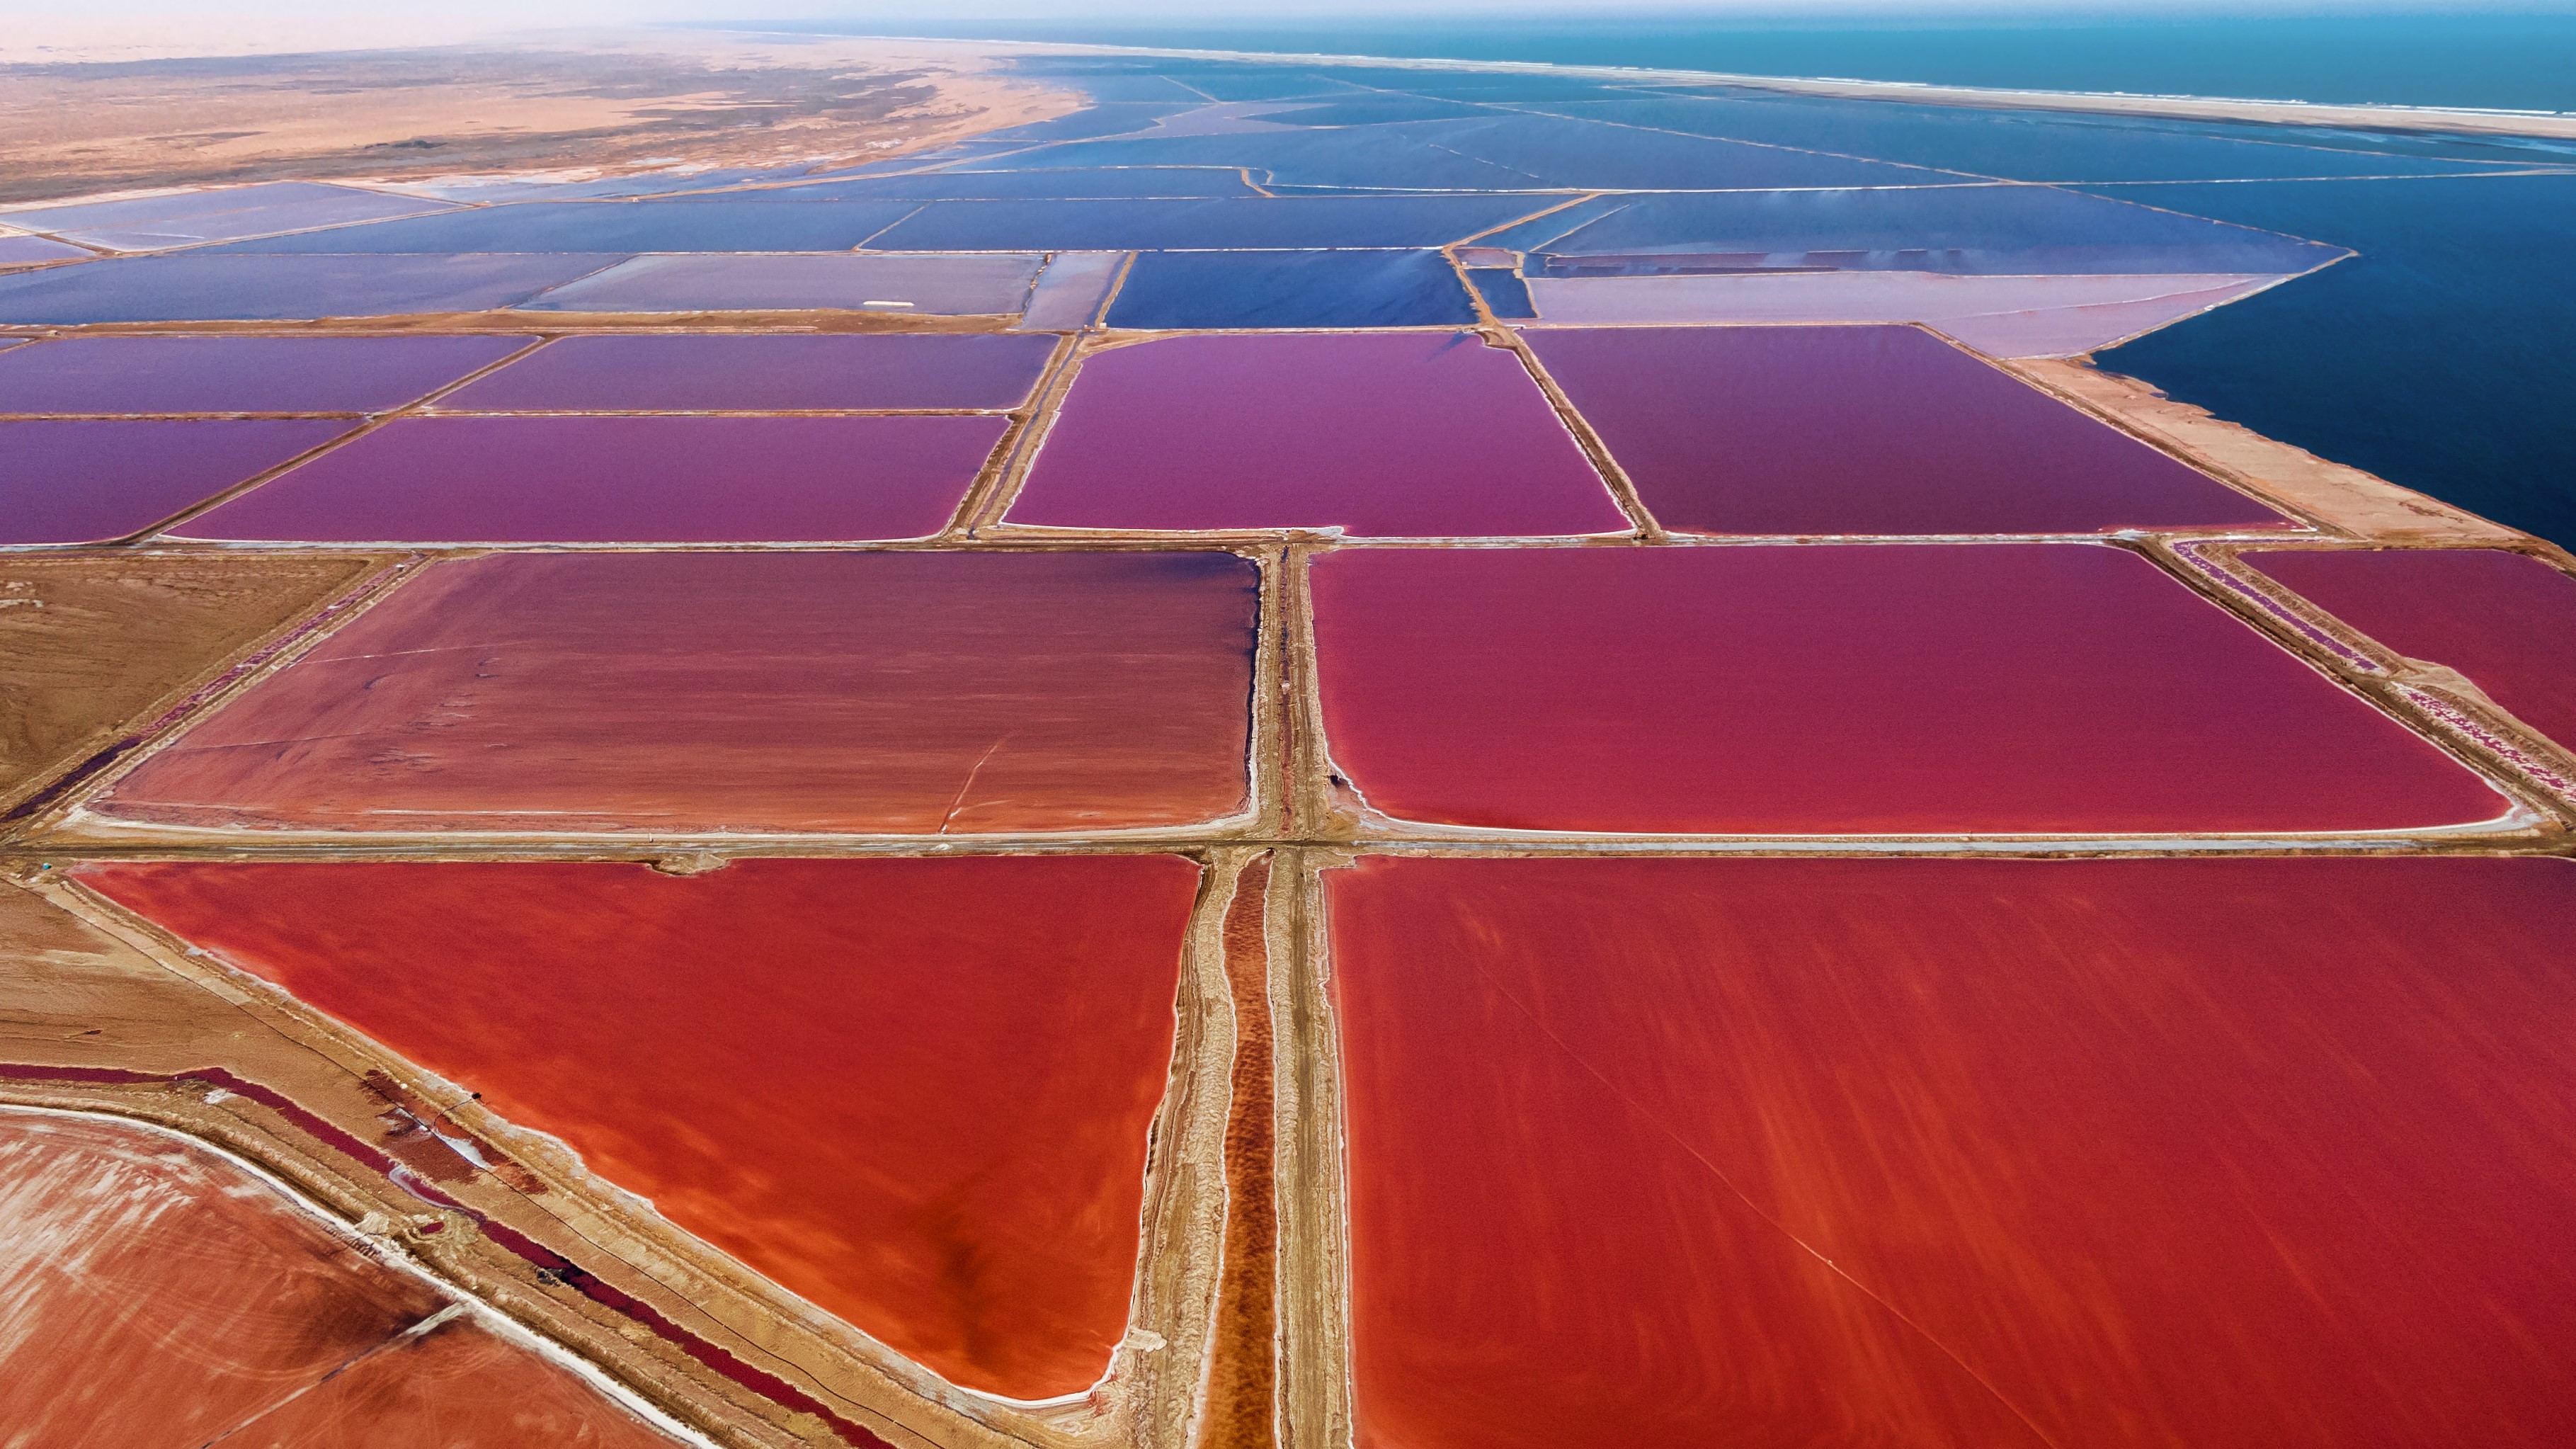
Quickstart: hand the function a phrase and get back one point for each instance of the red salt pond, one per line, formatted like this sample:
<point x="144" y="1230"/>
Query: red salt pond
<point x="622" y="480"/>
<point x="763" y="372"/>
<point x="913" y="1092"/>
<point x="238" y="374"/>
<point x="1390" y="434"/>
<point x="2503" y="619"/>
<point x="908" y="692"/>
<point x="456" y="1386"/>
<point x="95" y="480"/>
<point x="1861" y="430"/>
<point x="152" y="1292"/>
<point x="2265" y="1152"/>
<point x="1831" y="689"/>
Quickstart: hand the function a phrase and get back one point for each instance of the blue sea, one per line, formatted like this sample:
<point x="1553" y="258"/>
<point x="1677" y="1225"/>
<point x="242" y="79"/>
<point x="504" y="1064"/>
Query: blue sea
<point x="2442" y="357"/>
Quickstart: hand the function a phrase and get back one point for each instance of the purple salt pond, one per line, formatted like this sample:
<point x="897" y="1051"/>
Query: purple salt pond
<point x="204" y="287"/>
<point x="763" y="372"/>
<point x="147" y="223"/>
<point x="238" y="374"/>
<point x="954" y="284"/>
<point x="91" y="481"/>
<point x="17" y="249"/>
<point x="623" y="480"/>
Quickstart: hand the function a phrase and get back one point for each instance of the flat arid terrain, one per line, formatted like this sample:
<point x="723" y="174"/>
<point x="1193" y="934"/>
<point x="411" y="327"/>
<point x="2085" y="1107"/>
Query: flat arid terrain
<point x="581" y="108"/>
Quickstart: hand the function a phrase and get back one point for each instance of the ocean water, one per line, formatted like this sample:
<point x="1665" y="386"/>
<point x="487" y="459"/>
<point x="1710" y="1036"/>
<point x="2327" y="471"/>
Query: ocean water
<point x="2442" y="357"/>
<point x="2512" y="62"/>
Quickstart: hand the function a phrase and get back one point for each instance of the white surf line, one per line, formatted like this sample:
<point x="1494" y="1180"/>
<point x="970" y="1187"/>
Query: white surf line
<point x="2496" y="168"/>
<point x="2567" y="170"/>
<point x="2466" y="119"/>
<point x="2281" y="143"/>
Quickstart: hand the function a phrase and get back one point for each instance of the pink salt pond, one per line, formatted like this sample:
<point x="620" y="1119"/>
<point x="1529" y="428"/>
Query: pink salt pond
<point x="757" y="372"/>
<point x="1852" y="689"/>
<point x="93" y="480"/>
<point x="1387" y="434"/>
<point x="1862" y="430"/>
<point x="2502" y="619"/>
<point x="623" y="480"/>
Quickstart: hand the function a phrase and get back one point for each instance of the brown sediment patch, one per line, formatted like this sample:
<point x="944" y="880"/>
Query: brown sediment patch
<point x="1242" y="1361"/>
<point x="75" y="998"/>
<point x="2333" y="495"/>
<point x="1288" y="653"/>
<point x="1316" y="796"/>
<point x="90" y="644"/>
<point x="663" y="103"/>
<point x="1314" y="1403"/>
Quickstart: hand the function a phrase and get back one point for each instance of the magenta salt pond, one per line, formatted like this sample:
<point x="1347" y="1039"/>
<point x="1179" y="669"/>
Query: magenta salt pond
<point x="1389" y="434"/>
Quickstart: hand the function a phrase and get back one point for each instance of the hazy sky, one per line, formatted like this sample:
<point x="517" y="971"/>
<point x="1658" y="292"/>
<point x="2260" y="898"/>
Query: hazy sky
<point x="67" y="29"/>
